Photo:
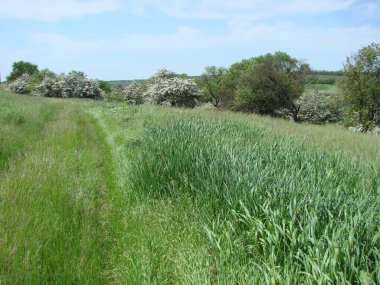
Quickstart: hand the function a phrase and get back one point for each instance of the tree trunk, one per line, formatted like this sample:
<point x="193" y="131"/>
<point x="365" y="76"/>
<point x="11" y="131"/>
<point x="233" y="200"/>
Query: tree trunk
<point x="295" y="112"/>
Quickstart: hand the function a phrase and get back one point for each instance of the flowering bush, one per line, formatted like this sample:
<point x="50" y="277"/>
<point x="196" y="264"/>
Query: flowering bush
<point x="166" y="89"/>
<point x="74" y="84"/>
<point x="21" y="85"/>
<point x="318" y="107"/>
<point x="49" y="87"/>
<point x="134" y="93"/>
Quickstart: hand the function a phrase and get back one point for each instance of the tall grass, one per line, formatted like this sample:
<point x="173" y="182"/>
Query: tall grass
<point x="273" y="210"/>
<point x="59" y="209"/>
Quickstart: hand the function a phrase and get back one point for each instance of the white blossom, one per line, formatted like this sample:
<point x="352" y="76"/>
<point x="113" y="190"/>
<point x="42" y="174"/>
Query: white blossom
<point x="166" y="89"/>
<point x="21" y="85"/>
<point x="134" y="93"/>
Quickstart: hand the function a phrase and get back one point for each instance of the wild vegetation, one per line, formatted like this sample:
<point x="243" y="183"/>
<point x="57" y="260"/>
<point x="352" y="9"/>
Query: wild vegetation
<point x="121" y="192"/>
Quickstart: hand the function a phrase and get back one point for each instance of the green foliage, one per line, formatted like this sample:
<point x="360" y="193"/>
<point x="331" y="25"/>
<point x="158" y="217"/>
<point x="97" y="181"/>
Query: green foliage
<point x="327" y="72"/>
<point x="320" y="107"/>
<point x="215" y="85"/>
<point x="360" y="87"/>
<point x="270" y="82"/>
<point x="320" y="80"/>
<point x="105" y="86"/>
<point x="21" y="67"/>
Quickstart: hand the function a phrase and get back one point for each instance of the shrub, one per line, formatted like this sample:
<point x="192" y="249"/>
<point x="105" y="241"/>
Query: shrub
<point x="165" y="88"/>
<point x="21" y="85"/>
<point x="74" y="84"/>
<point x="49" y="87"/>
<point x="318" y="107"/>
<point x="134" y="93"/>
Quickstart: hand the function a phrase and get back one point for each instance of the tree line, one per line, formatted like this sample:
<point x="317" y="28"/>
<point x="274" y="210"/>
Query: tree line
<point x="270" y="84"/>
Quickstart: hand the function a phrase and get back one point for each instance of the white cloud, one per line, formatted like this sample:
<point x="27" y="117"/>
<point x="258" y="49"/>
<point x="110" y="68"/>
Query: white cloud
<point x="54" y="10"/>
<point x="226" y="9"/>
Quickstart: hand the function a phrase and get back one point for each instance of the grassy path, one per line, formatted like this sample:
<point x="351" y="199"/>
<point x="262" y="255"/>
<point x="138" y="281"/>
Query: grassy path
<point x="59" y="210"/>
<point x="104" y="193"/>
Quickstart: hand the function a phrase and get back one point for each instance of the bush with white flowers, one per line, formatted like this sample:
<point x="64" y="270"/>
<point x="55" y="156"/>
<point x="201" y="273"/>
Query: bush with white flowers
<point x="320" y="107"/>
<point x="49" y="87"/>
<point x="74" y="84"/>
<point x="21" y="85"/>
<point x="134" y="93"/>
<point x="165" y="88"/>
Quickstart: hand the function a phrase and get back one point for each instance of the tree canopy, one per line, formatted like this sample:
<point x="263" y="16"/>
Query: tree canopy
<point x="21" y="67"/>
<point x="215" y="85"/>
<point x="360" y="87"/>
<point x="269" y="82"/>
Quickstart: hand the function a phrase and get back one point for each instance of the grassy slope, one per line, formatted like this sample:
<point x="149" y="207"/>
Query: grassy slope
<point x="189" y="225"/>
<point x="58" y="200"/>
<point x="187" y="172"/>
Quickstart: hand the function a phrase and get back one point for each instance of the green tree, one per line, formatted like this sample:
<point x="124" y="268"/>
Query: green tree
<point x="271" y="82"/>
<point x="105" y="86"/>
<point x="360" y="87"/>
<point x="21" y="67"/>
<point x="215" y="85"/>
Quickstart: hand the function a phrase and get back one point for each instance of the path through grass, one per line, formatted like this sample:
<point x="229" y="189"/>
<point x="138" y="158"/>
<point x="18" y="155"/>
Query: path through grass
<point x="103" y="193"/>
<point x="59" y="208"/>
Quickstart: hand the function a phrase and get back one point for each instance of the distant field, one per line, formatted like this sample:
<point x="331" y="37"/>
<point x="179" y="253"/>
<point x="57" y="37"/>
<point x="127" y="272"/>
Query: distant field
<point x="331" y="88"/>
<point x="159" y="195"/>
<point x="319" y="87"/>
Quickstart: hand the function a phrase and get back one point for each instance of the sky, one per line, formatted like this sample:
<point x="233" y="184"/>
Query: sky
<point x="131" y="39"/>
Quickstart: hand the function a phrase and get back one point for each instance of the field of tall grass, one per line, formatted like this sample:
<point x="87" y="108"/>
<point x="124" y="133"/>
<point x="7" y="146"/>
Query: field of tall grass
<point x="104" y="192"/>
<point x="266" y="207"/>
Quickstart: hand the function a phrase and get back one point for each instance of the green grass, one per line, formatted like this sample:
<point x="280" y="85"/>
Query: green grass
<point x="104" y="193"/>
<point x="224" y="198"/>
<point x="59" y="214"/>
<point x="330" y="88"/>
<point x="272" y="210"/>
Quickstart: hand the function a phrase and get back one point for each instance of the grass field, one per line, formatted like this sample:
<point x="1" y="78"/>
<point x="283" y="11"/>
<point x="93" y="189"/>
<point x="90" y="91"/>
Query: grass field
<point x="102" y="192"/>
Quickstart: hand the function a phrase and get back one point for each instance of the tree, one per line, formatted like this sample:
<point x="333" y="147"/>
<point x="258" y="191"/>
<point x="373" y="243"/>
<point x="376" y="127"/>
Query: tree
<point x="360" y="87"/>
<point x="215" y="85"/>
<point x="21" y="67"/>
<point x="105" y="86"/>
<point x="166" y="88"/>
<point x="271" y="82"/>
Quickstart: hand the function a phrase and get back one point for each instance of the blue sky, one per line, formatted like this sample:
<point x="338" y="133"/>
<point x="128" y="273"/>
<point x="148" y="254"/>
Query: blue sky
<point x="114" y="39"/>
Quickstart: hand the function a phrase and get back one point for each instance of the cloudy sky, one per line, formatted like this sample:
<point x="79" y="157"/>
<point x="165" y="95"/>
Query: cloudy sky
<point x="115" y="39"/>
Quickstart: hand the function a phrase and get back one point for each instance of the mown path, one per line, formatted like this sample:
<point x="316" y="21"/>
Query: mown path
<point x="60" y="215"/>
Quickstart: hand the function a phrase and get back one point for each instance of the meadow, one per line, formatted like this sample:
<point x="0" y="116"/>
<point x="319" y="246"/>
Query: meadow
<point x="110" y="193"/>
